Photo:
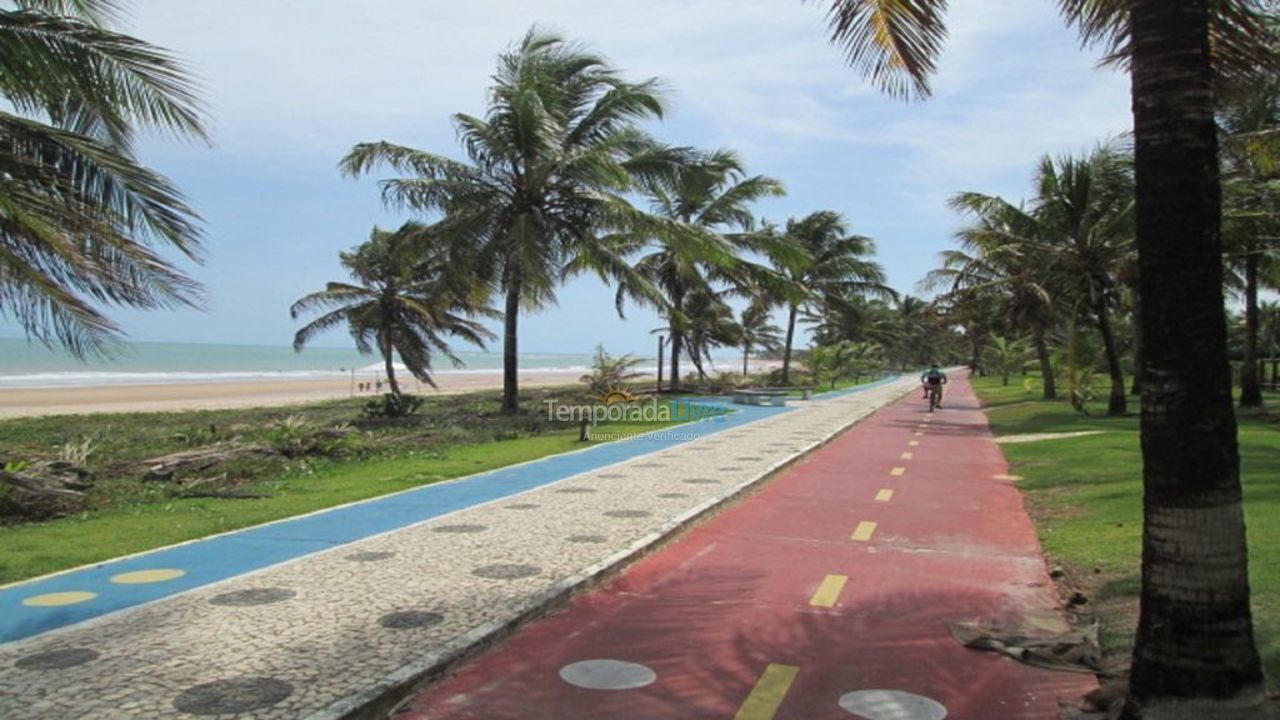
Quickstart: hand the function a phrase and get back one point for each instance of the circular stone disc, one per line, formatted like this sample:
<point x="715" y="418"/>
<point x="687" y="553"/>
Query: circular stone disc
<point x="234" y="695"/>
<point x="56" y="659"/>
<point x="369" y="556"/>
<point x="408" y="619"/>
<point x="607" y="675"/>
<point x="506" y="571"/>
<point x="891" y="705"/>
<point x="460" y="529"/>
<point x="253" y="596"/>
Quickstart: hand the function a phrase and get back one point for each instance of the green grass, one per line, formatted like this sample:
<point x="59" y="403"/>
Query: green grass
<point x="35" y="549"/>
<point x="1085" y="495"/>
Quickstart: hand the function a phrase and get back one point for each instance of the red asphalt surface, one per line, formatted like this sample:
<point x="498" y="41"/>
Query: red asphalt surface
<point x="712" y="610"/>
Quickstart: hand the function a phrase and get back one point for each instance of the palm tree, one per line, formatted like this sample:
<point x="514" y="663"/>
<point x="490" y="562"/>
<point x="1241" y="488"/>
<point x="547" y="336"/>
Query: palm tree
<point x="407" y="299"/>
<point x="1195" y="654"/>
<point x="1008" y="356"/>
<point x="832" y="266"/>
<point x="758" y="331"/>
<point x="82" y="218"/>
<point x="1251" y="224"/>
<point x="998" y="261"/>
<point x="704" y="219"/>
<point x="548" y="165"/>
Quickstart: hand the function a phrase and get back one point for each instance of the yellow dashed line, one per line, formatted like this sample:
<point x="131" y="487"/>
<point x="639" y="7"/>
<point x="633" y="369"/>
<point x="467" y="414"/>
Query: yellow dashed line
<point x="884" y="495"/>
<point x="829" y="591"/>
<point x="898" y="471"/>
<point x="907" y="456"/>
<point x="913" y="443"/>
<point x="864" y="531"/>
<point x="918" y="433"/>
<point x="768" y="693"/>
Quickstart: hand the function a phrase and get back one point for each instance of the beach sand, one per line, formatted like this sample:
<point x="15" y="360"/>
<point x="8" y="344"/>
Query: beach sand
<point x="28" y="402"/>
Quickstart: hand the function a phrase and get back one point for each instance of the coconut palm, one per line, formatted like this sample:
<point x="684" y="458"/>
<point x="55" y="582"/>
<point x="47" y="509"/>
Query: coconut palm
<point x="408" y="299"/>
<point x="1007" y="356"/>
<point x="83" y="220"/>
<point x="1251" y="221"/>
<point x="1195" y="653"/>
<point x="704" y="213"/>
<point x="998" y="261"/>
<point x="832" y="266"/>
<point x="758" y="331"/>
<point x="547" y="167"/>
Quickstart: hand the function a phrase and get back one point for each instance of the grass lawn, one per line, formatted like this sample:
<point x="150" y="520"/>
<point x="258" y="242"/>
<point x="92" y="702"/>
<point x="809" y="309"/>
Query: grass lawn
<point x="1085" y="495"/>
<point x="130" y="515"/>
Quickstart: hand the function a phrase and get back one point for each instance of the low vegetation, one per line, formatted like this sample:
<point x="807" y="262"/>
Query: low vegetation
<point x="131" y="482"/>
<point x="1085" y="495"/>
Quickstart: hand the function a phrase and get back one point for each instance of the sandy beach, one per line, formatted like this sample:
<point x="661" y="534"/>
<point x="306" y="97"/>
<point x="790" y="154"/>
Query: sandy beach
<point x="28" y="402"/>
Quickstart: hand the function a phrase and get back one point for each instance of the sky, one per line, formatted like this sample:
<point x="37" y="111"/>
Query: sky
<point x="292" y="85"/>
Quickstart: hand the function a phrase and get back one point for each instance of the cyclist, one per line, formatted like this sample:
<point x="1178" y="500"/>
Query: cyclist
<point x="932" y="380"/>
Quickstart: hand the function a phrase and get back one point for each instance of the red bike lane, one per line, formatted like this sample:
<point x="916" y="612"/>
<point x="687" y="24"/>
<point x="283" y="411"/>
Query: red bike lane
<point x="826" y="594"/>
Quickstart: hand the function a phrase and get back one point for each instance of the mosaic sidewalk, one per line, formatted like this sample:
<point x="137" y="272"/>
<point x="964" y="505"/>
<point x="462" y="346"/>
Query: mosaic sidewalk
<point x="325" y="632"/>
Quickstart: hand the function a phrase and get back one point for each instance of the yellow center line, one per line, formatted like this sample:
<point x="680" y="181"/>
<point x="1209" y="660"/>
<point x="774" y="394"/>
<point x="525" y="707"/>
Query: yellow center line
<point x="768" y="693"/>
<point x="884" y="495"/>
<point x="907" y="456"/>
<point x="898" y="471"/>
<point x="918" y="433"/>
<point x="913" y="443"/>
<point x="863" y="532"/>
<point x="829" y="591"/>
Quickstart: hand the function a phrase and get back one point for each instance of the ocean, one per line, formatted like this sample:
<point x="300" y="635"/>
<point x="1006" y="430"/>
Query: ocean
<point x="26" y="364"/>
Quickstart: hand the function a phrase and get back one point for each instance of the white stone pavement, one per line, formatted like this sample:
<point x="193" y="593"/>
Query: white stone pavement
<point x="328" y="633"/>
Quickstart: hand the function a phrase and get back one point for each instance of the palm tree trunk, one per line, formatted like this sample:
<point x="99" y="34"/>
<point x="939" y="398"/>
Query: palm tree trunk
<point x="786" y="352"/>
<point x="510" y="362"/>
<point x="677" y="340"/>
<point x="1250" y="386"/>
<point x="1136" y="388"/>
<point x="1117" y="403"/>
<point x="387" y="354"/>
<point x="1046" y="367"/>
<point x="1195" y="654"/>
<point x="746" y="353"/>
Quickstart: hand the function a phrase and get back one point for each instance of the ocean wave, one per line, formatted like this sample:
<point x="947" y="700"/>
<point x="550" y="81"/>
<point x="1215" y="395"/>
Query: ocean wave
<point x="100" y="378"/>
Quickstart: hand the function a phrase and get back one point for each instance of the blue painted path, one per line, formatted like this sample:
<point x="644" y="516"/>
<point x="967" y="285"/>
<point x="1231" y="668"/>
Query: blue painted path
<point x="225" y="556"/>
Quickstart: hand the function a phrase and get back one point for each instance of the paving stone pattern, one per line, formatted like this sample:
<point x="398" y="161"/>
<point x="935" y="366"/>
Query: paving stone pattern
<point x="296" y="639"/>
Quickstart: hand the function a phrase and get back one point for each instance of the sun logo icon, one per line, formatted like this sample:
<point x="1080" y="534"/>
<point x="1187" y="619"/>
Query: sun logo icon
<point x="615" y="394"/>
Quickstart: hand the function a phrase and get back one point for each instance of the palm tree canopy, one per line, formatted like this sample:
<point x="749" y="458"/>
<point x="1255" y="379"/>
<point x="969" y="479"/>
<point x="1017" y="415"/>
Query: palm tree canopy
<point x="896" y="44"/>
<point x="81" y="218"/>
<point x="407" y="298"/>
<point x="546" y="170"/>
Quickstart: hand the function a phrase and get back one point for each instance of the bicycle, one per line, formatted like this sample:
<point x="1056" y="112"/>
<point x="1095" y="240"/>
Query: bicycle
<point x="935" y="396"/>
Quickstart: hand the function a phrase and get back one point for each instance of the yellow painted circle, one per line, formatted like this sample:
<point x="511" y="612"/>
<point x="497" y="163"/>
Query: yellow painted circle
<point x="139" y="577"/>
<point x="60" y="598"/>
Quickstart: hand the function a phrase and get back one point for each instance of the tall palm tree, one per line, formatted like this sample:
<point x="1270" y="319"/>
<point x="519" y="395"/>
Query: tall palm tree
<point x="547" y="168"/>
<point x="1195" y="654"/>
<point x="82" y="220"/>
<point x="998" y="261"/>
<point x="408" y="298"/>
<point x="1073" y="242"/>
<point x="1251" y="220"/>
<point x="758" y="331"/>
<point x="833" y="266"/>
<point x="704" y="214"/>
